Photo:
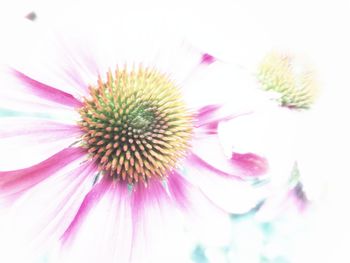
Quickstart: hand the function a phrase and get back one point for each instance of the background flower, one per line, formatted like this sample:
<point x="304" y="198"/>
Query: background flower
<point x="298" y="27"/>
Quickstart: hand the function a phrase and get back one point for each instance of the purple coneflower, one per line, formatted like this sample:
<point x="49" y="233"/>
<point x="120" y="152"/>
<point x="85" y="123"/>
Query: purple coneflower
<point x="128" y="142"/>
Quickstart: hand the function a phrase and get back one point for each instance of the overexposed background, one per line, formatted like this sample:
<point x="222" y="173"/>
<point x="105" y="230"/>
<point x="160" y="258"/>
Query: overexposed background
<point x="241" y="32"/>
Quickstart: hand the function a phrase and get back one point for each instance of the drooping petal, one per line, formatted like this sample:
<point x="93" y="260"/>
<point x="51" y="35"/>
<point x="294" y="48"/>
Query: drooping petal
<point x="160" y="213"/>
<point x="270" y="134"/>
<point x="102" y="228"/>
<point x="208" y="118"/>
<point x="253" y="164"/>
<point x="143" y="224"/>
<point x="88" y="203"/>
<point x="225" y="190"/>
<point x="27" y="141"/>
<point x="46" y="92"/>
<point x="210" y="149"/>
<point x="199" y="211"/>
<point x="48" y="58"/>
<point x="157" y="222"/>
<point x="114" y="224"/>
<point x="19" y="92"/>
<point x="47" y="208"/>
<point x="14" y="183"/>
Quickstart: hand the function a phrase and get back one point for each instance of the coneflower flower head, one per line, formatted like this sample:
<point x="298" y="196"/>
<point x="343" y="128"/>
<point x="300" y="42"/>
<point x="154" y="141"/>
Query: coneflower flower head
<point x="135" y="125"/>
<point x="131" y="146"/>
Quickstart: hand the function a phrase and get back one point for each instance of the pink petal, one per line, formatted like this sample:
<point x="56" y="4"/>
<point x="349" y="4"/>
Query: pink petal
<point x="102" y="228"/>
<point x="49" y="58"/>
<point x="219" y="176"/>
<point x="18" y="181"/>
<point x="209" y="150"/>
<point x="158" y="213"/>
<point x="204" y="119"/>
<point x="208" y="147"/>
<point x="157" y="225"/>
<point x="199" y="211"/>
<point x="43" y="213"/>
<point x="209" y="117"/>
<point x="208" y="59"/>
<point x="47" y="92"/>
<point x="268" y="133"/>
<point x="138" y="225"/>
<point x="253" y="164"/>
<point x="24" y="93"/>
<point x="224" y="190"/>
<point x="27" y="141"/>
<point x="90" y="200"/>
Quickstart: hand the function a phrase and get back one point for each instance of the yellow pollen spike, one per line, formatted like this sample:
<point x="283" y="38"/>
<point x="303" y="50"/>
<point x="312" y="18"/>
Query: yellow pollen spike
<point x="121" y="160"/>
<point x="99" y="143"/>
<point x="109" y="146"/>
<point x="91" y="141"/>
<point x="114" y="163"/>
<point x="92" y="149"/>
<point x="125" y="147"/>
<point x="108" y="152"/>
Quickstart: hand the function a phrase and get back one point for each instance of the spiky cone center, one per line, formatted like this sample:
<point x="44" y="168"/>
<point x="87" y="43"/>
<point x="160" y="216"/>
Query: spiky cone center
<point x="136" y="125"/>
<point x="291" y="78"/>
